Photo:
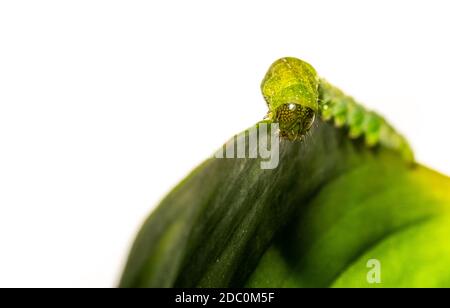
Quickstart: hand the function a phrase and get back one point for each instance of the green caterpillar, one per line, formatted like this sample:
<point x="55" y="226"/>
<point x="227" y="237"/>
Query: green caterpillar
<point x="295" y="95"/>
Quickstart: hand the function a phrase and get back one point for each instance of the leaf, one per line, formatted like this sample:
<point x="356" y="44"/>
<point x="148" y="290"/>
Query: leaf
<point x="330" y="206"/>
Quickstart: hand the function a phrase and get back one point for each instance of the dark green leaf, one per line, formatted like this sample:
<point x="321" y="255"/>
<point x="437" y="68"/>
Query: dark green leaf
<point x="330" y="206"/>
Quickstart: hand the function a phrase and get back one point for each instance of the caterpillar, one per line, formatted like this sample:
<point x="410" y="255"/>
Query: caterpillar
<point x="296" y="95"/>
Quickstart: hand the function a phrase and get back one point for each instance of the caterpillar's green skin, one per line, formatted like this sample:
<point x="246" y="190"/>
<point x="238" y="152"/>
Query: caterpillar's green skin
<point x="295" y="95"/>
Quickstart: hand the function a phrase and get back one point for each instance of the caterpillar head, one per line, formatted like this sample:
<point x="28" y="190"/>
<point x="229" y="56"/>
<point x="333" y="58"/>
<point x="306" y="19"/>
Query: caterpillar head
<point x="290" y="89"/>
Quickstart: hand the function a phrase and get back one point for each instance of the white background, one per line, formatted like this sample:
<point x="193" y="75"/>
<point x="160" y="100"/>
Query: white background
<point x="105" y="105"/>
